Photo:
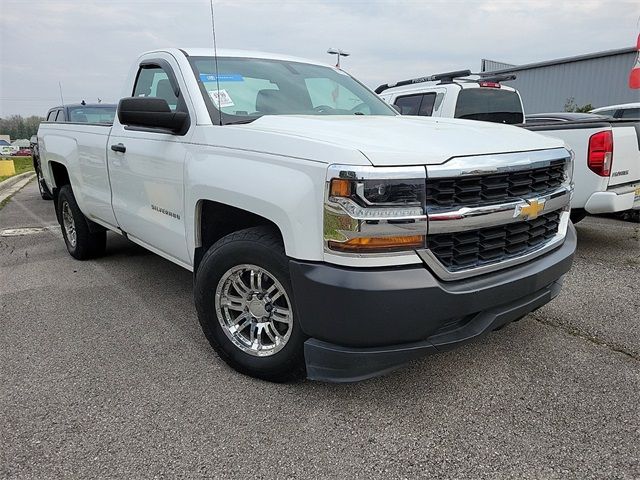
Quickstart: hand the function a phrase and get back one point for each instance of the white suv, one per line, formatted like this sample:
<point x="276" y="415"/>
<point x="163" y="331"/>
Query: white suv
<point x="456" y="95"/>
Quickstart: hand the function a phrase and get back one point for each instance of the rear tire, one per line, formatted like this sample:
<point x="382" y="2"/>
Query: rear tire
<point x="245" y="305"/>
<point x="42" y="186"/>
<point x="577" y="214"/>
<point x="81" y="242"/>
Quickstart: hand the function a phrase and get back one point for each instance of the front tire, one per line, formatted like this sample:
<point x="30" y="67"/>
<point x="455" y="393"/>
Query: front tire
<point x="81" y="242"/>
<point x="245" y="305"/>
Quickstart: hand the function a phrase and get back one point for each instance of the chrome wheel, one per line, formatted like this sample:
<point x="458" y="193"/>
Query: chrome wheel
<point x="69" y="224"/>
<point x="254" y="310"/>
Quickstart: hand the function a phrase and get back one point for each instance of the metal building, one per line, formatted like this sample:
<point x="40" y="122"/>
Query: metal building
<point x="598" y="78"/>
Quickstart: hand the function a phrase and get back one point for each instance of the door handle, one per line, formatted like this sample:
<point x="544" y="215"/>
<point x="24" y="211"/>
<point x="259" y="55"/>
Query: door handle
<point x="118" y="147"/>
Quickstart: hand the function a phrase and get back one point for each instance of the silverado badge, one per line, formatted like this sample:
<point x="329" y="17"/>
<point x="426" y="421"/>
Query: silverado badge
<point x="529" y="210"/>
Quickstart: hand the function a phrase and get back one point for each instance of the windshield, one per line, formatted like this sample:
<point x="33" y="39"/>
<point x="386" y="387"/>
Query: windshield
<point x="252" y="87"/>
<point x="489" y="105"/>
<point x="84" y="114"/>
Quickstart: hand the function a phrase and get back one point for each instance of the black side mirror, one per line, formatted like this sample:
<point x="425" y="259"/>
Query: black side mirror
<point x="152" y="112"/>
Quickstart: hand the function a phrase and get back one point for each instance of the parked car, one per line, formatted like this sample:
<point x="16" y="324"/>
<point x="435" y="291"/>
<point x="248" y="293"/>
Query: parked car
<point x="96" y="113"/>
<point x="456" y="95"/>
<point x="626" y="111"/>
<point x="328" y="235"/>
<point x="23" y="152"/>
<point x="607" y="159"/>
<point x="6" y="148"/>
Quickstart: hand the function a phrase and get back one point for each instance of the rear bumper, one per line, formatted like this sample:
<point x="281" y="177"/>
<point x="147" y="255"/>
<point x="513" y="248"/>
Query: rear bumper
<point x="366" y="322"/>
<point x="614" y="200"/>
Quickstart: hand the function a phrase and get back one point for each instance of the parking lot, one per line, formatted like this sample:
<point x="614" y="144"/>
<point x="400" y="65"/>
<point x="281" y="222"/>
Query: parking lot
<point x="105" y="373"/>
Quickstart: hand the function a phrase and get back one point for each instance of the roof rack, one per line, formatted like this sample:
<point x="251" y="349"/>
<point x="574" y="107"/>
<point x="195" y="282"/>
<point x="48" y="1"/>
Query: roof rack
<point x="443" y="77"/>
<point x="448" y="77"/>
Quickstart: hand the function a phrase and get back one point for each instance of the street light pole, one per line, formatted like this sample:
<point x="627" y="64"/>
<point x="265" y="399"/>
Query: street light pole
<point x="339" y="53"/>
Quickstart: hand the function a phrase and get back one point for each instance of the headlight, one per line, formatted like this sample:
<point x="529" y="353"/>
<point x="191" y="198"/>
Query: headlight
<point x="375" y="210"/>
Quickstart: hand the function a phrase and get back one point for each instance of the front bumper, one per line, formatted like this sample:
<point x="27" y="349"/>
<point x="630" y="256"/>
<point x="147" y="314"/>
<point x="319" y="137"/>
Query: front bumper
<point x="366" y="322"/>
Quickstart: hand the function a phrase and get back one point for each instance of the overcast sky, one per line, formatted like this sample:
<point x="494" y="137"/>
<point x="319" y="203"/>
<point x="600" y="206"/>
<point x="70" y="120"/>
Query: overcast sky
<point x="89" y="45"/>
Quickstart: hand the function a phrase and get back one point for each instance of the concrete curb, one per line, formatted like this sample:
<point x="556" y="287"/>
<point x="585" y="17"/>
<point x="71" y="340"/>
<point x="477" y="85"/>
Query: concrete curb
<point x="15" y="179"/>
<point x="12" y="185"/>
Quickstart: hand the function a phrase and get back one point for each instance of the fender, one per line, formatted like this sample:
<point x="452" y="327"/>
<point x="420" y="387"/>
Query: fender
<point x="283" y="190"/>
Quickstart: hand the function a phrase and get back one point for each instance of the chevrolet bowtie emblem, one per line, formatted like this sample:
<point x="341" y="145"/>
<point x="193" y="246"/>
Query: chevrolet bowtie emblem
<point x="529" y="210"/>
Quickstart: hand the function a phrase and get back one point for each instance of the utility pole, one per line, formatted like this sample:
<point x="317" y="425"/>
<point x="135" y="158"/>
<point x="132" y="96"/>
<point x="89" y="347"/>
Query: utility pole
<point x="61" y="97"/>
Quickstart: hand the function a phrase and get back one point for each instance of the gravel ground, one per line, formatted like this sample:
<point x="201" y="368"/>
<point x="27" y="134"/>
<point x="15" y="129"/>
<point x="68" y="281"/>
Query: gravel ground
<point x="104" y="373"/>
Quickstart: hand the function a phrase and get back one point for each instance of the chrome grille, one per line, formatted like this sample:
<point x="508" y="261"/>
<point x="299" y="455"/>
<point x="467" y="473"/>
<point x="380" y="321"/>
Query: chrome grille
<point x="474" y="248"/>
<point x="475" y="190"/>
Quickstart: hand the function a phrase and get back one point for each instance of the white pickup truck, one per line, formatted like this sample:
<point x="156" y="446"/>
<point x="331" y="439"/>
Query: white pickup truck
<point x="607" y="159"/>
<point x="328" y="235"/>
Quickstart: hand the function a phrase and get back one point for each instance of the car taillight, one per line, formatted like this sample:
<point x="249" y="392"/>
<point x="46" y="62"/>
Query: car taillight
<point x="489" y="84"/>
<point x="600" y="154"/>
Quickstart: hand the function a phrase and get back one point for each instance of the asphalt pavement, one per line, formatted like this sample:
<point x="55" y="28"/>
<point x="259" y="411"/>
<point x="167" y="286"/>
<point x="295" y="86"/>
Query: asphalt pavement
<point x="105" y="373"/>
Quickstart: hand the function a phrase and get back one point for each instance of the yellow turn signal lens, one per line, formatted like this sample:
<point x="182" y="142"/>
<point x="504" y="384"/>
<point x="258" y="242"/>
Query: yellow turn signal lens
<point x="379" y="244"/>
<point x="340" y="188"/>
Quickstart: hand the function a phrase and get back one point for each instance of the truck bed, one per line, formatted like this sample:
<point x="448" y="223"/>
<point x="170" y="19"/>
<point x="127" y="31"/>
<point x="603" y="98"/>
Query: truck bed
<point x="86" y="142"/>
<point x="625" y="169"/>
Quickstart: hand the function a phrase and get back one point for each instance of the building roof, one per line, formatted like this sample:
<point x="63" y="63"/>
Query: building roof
<point x="576" y="58"/>
<point x="487" y="65"/>
<point x="21" y="142"/>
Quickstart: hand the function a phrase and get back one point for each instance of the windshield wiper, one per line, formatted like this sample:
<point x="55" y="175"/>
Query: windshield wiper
<point x="237" y="122"/>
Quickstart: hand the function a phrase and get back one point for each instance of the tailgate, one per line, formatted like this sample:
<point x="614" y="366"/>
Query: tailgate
<point x="626" y="153"/>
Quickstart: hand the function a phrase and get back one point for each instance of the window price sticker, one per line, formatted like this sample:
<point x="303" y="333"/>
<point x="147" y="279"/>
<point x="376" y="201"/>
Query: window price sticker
<point x="221" y="98"/>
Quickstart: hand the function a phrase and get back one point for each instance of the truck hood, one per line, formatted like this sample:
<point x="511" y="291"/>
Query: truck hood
<point x="404" y="140"/>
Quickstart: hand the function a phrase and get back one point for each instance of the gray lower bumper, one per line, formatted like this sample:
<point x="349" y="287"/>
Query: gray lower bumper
<point x="363" y="323"/>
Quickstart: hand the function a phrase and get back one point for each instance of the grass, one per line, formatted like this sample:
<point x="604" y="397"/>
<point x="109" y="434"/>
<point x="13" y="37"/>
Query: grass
<point x="22" y="164"/>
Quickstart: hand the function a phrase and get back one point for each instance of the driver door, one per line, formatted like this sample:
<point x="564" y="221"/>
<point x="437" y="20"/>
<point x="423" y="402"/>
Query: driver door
<point x="146" y="167"/>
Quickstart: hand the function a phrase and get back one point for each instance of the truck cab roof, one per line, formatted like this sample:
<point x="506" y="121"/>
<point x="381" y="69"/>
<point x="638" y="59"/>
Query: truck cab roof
<point x="235" y="53"/>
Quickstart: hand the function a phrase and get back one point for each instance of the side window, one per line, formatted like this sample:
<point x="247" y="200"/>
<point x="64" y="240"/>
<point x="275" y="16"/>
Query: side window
<point x="51" y="116"/>
<point x="60" y="116"/>
<point x="409" y="104"/>
<point x="154" y="82"/>
<point x="426" y="107"/>
<point x="628" y="113"/>
<point x="421" y="104"/>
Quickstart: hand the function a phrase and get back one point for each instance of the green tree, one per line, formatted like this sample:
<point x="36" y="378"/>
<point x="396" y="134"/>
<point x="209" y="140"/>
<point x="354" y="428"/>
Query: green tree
<point x="571" y="106"/>
<point x="16" y="126"/>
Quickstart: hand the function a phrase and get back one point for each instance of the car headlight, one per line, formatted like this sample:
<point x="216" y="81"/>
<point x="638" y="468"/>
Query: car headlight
<point x="375" y="210"/>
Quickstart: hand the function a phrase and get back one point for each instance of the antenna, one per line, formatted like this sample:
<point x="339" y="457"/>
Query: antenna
<point x="215" y="59"/>
<point x="61" y="97"/>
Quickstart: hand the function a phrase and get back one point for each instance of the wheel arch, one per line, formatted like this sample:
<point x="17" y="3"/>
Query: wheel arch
<point x="214" y="220"/>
